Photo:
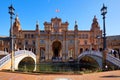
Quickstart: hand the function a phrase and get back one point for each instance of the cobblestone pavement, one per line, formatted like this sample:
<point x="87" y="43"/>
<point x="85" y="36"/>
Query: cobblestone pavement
<point x="111" y="75"/>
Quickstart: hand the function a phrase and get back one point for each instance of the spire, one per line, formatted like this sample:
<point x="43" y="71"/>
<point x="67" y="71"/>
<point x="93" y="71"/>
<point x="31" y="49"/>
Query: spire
<point x="95" y="19"/>
<point x="37" y="28"/>
<point x="95" y="24"/>
<point x="76" y="26"/>
<point x="75" y="22"/>
<point x="37" y="25"/>
<point x="16" y="24"/>
<point x="17" y="18"/>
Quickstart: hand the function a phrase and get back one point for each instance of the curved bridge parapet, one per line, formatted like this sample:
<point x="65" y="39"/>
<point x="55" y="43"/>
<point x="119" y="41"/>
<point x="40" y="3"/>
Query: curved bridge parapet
<point x="20" y="55"/>
<point x="93" y="54"/>
<point x="5" y="62"/>
<point x="98" y="56"/>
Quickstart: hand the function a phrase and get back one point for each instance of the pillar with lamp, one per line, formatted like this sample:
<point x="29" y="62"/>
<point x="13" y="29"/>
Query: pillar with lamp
<point x="103" y="13"/>
<point x="11" y="12"/>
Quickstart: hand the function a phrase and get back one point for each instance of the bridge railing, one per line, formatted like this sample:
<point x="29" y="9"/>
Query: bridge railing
<point x="109" y="57"/>
<point x="113" y="60"/>
<point x="3" y="53"/>
<point x="4" y="59"/>
<point x="22" y="52"/>
<point x="17" y="54"/>
<point x="97" y="53"/>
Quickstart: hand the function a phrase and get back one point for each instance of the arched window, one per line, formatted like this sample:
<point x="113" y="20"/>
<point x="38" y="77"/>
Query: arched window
<point x="32" y="36"/>
<point x="85" y="42"/>
<point x="70" y="53"/>
<point x="26" y="42"/>
<point x="42" y="53"/>
<point x="33" y="42"/>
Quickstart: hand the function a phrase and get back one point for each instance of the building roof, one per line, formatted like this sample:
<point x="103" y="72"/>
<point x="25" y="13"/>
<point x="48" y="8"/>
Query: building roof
<point x="115" y="37"/>
<point x="4" y="38"/>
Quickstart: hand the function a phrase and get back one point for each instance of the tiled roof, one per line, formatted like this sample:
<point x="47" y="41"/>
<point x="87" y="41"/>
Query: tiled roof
<point x="4" y="38"/>
<point x="116" y="37"/>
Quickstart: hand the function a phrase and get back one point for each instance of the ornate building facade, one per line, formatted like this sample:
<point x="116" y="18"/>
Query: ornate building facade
<point x="56" y="41"/>
<point x="113" y="42"/>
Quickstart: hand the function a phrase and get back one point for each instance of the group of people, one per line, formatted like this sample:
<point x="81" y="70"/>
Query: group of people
<point x="115" y="53"/>
<point x="56" y="59"/>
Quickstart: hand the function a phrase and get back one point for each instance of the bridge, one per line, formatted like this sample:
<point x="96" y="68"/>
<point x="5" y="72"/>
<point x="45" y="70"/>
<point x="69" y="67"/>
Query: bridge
<point x="97" y="56"/>
<point x="5" y="62"/>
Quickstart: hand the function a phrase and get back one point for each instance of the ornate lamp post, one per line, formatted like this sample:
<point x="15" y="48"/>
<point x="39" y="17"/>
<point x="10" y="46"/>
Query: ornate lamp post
<point x="11" y="12"/>
<point x="103" y="13"/>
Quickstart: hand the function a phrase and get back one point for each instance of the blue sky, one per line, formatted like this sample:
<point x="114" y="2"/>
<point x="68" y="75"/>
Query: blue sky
<point x="83" y="11"/>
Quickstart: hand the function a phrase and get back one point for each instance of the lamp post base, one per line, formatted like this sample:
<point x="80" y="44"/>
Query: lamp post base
<point x="104" y="63"/>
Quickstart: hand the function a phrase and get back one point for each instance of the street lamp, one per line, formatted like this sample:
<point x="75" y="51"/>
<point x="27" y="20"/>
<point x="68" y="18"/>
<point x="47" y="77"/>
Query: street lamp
<point x="103" y="13"/>
<point x="11" y="12"/>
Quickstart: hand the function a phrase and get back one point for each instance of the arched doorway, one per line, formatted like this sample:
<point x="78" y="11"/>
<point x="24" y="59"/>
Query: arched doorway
<point x="56" y="47"/>
<point x="81" y="50"/>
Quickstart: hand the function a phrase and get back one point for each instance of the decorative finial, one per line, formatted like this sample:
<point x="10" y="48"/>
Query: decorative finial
<point x="103" y="5"/>
<point x="95" y="19"/>
<point x="75" y="22"/>
<point x="37" y="22"/>
<point x="76" y="26"/>
<point x="17" y="18"/>
<point x="37" y="25"/>
<point x="94" y="16"/>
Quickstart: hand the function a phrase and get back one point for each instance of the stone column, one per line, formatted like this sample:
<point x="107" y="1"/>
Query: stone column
<point x="50" y="50"/>
<point x="105" y="52"/>
<point x="46" y="49"/>
<point x="66" y="51"/>
<point x="64" y="46"/>
<point x="63" y="50"/>
<point x="37" y="49"/>
<point x="119" y="53"/>
<point x="76" y="47"/>
<point x="49" y="53"/>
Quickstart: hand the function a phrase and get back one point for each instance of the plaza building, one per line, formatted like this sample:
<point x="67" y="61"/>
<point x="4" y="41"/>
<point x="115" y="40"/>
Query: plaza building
<point x="113" y="42"/>
<point x="56" y="42"/>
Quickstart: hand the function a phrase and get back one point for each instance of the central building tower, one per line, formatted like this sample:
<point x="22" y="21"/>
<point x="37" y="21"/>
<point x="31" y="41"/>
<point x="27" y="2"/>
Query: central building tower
<point x="56" y="43"/>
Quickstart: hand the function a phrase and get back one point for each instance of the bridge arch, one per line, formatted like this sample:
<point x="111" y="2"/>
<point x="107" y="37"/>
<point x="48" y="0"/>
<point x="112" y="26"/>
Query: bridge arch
<point x="27" y="64"/>
<point x="92" y="54"/>
<point x="89" y="61"/>
<point x="22" y="54"/>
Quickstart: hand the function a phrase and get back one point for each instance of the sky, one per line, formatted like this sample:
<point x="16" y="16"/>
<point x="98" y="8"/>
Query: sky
<point x="82" y="11"/>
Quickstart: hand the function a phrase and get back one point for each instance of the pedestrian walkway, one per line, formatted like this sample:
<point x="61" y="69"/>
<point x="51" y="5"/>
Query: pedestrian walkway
<point x="111" y="75"/>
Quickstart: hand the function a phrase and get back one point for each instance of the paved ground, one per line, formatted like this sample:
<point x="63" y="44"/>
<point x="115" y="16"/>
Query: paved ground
<point x="112" y="75"/>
